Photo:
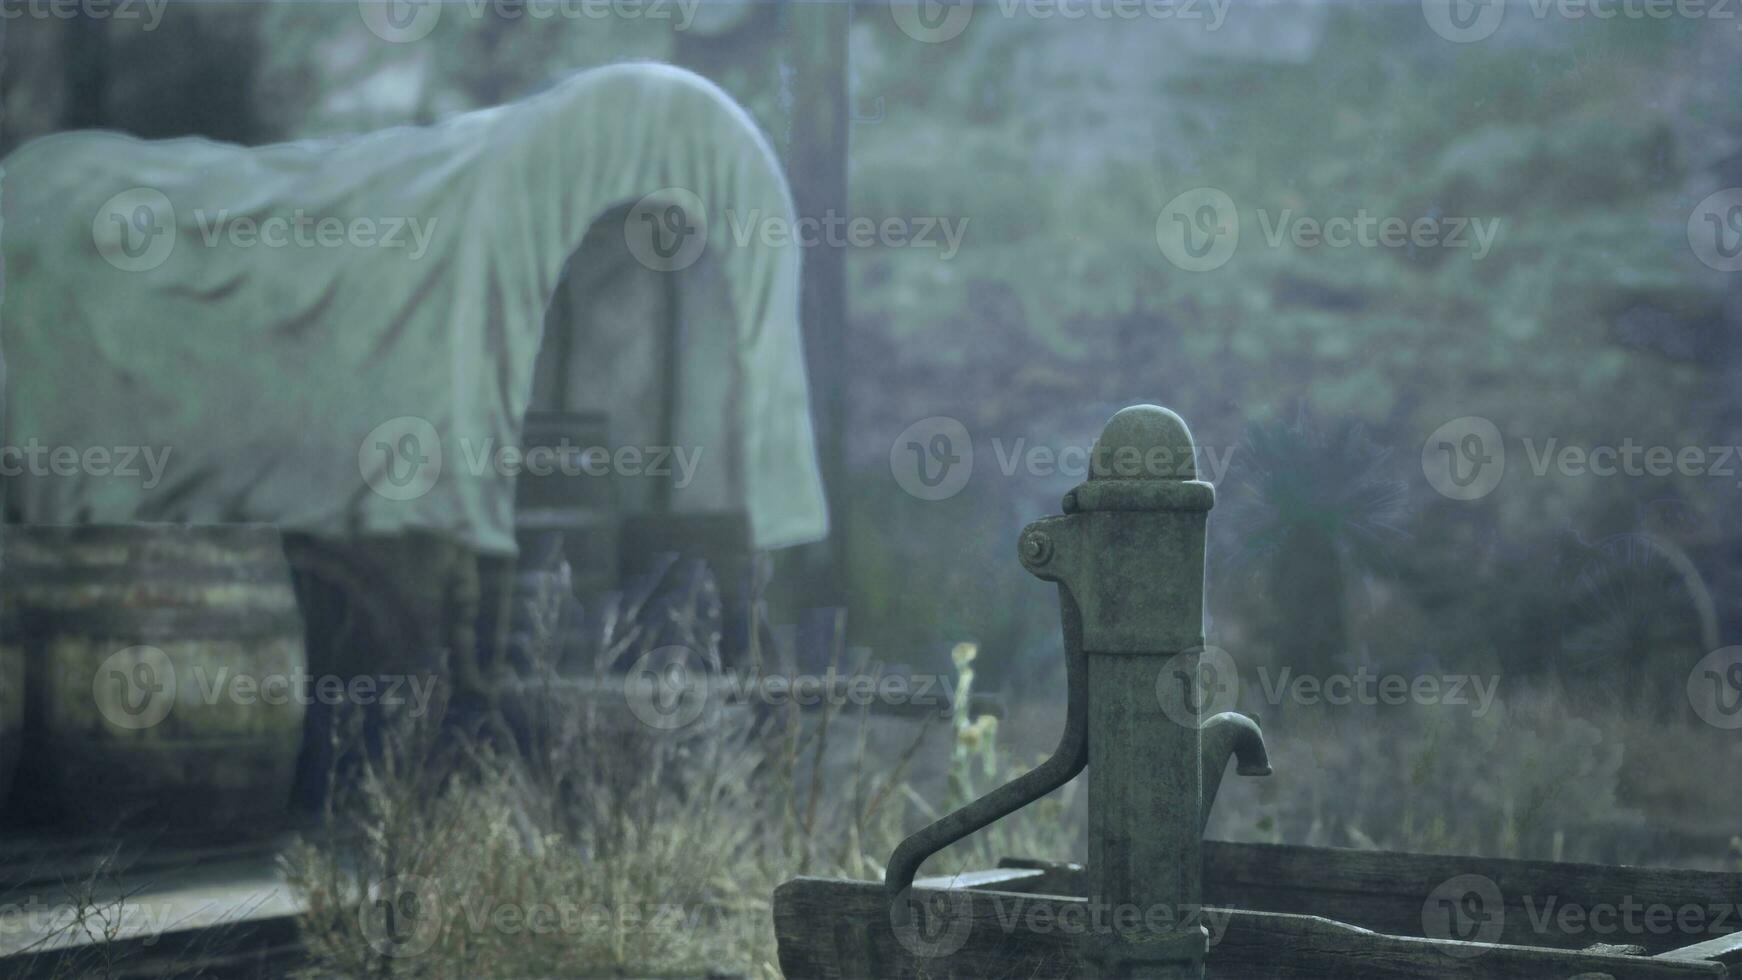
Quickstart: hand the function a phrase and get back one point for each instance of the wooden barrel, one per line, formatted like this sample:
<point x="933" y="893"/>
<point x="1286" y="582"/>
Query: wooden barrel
<point x="167" y="679"/>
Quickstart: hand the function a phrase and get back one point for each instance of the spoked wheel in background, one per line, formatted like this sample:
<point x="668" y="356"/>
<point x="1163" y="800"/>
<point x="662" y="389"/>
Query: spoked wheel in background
<point x="383" y="610"/>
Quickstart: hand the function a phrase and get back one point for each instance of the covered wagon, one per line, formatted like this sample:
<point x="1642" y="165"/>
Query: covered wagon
<point x="345" y="339"/>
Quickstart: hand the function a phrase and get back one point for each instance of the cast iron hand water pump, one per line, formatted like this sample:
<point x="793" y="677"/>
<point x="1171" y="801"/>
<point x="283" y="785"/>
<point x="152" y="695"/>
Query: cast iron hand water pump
<point x="1128" y="557"/>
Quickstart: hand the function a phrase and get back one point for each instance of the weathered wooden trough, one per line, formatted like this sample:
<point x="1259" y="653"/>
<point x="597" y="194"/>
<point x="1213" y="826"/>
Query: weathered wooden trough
<point x="1154" y="899"/>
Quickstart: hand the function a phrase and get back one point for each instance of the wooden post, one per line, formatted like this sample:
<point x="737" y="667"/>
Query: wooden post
<point x="816" y="164"/>
<point x="806" y="42"/>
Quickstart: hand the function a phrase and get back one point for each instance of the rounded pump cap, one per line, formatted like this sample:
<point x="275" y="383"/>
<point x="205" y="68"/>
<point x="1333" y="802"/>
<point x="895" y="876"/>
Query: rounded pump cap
<point x="1145" y="459"/>
<point x="1144" y="442"/>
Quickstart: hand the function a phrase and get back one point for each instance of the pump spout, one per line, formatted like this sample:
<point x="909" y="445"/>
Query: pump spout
<point x="1229" y="734"/>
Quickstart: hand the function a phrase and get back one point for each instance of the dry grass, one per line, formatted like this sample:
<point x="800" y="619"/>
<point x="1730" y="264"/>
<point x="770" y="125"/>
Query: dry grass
<point x="606" y="851"/>
<point x="469" y="859"/>
<point x="658" y="856"/>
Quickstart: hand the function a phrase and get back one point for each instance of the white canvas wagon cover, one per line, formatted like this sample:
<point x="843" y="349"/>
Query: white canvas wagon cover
<point x="276" y="368"/>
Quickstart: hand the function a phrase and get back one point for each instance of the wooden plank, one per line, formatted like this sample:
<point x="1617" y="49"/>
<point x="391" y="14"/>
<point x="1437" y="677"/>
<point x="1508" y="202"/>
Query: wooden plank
<point x="45" y="859"/>
<point x="831" y="929"/>
<point x="1724" y="949"/>
<point x="253" y="950"/>
<point x="1000" y="879"/>
<point x="146" y="906"/>
<point x="220" y="912"/>
<point x="1542" y="903"/>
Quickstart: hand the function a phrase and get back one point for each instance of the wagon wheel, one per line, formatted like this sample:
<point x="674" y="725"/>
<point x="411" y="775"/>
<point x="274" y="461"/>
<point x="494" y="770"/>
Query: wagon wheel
<point x="352" y="612"/>
<point x="1639" y="615"/>
<point x="349" y="604"/>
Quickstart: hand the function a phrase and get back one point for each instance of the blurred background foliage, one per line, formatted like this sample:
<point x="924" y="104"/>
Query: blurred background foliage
<point x="1321" y="371"/>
